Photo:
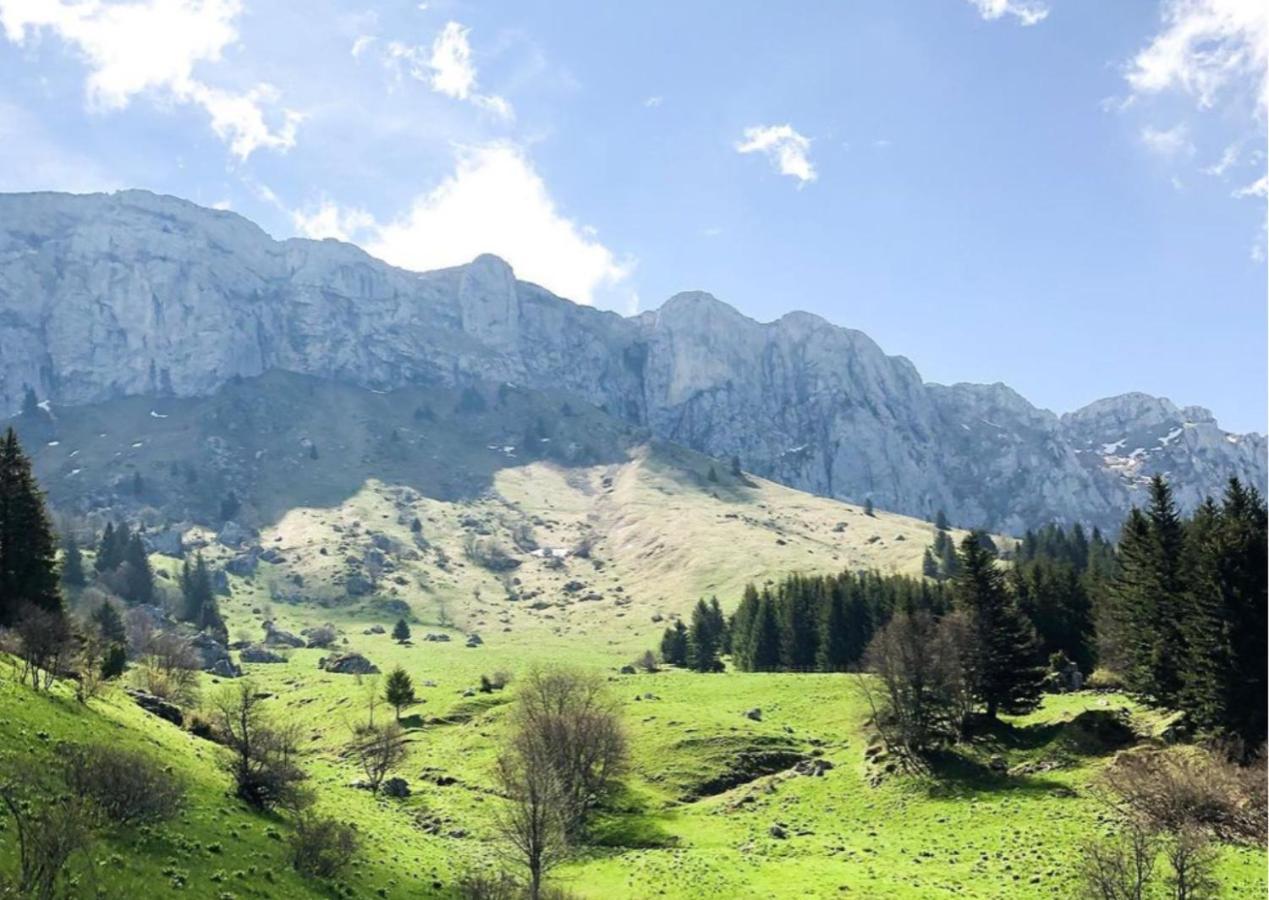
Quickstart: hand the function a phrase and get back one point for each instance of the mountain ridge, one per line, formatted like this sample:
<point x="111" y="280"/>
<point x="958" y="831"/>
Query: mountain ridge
<point x="105" y="295"/>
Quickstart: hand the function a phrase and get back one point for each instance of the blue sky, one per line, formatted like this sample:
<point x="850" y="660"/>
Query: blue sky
<point x="1065" y="196"/>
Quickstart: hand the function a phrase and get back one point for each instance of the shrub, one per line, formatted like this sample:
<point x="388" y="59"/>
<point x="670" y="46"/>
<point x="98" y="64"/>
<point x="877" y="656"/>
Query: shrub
<point x="1103" y="679"/>
<point x="126" y="786"/>
<point x="320" y="847"/>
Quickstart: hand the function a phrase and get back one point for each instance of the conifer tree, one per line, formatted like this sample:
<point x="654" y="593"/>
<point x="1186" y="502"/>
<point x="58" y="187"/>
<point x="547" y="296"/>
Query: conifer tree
<point x="199" y="598"/>
<point x="28" y="549"/>
<point x="401" y="631"/>
<point x="73" y="564"/>
<point x="1005" y="674"/>
<point x="940" y="521"/>
<point x="833" y="653"/>
<point x="704" y="639"/>
<point x="674" y="645"/>
<point x="109" y="623"/>
<point x="398" y="690"/>
<point x="929" y="568"/>
<point x="139" y="584"/>
<point x="107" y="555"/>
<point x="764" y="641"/>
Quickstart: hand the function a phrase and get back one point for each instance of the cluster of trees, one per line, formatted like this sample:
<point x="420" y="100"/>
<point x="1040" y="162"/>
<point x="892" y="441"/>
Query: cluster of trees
<point x="1184" y="618"/>
<point x="198" y="599"/>
<point x="700" y="646"/>
<point x="123" y="564"/>
<point x="821" y="623"/>
<point x="28" y="548"/>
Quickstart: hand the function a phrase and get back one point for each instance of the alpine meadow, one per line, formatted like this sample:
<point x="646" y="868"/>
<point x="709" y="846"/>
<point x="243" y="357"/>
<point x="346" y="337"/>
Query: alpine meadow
<point x="364" y="535"/>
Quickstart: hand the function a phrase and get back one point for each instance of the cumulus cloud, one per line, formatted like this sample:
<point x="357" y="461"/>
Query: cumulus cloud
<point x="151" y="47"/>
<point x="493" y="202"/>
<point x="1027" y="12"/>
<point x="447" y="68"/>
<point x="1205" y="48"/>
<point x="787" y="150"/>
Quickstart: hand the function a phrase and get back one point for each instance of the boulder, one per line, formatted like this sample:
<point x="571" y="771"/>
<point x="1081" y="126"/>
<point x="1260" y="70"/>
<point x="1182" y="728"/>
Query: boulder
<point x="243" y="564"/>
<point x="431" y="636"/>
<point x="348" y="664"/>
<point x="357" y="585"/>
<point x="226" y="668"/>
<point x="232" y="534"/>
<point x="157" y="706"/>
<point x="276" y="637"/>
<point x="166" y="542"/>
<point x="257" y="654"/>
<point x="813" y="767"/>
<point x="755" y="714"/>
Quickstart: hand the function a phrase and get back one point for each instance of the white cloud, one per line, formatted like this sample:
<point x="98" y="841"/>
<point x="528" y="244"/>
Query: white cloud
<point x="653" y="102"/>
<point x="494" y="202"/>
<point x="1169" y="143"/>
<point x="1027" y="12"/>
<point x="145" y="47"/>
<point x="362" y="44"/>
<point x="1228" y="158"/>
<point x="329" y="221"/>
<point x="447" y="68"/>
<point x="1205" y="48"/>
<point x="787" y="150"/>
<point x="1258" y="188"/>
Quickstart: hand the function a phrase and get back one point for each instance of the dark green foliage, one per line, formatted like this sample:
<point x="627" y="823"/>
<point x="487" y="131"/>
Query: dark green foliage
<point x="109" y="623"/>
<point x="712" y="477"/>
<point x="114" y="661"/>
<point x="736" y="471"/>
<point x="399" y="689"/>
<point x="940" y="521"/>
<point x="674" y="645"/>
<point x="28" y="549"/>
<point x="30" y="402"/>
<point x="822" y="622"/>
<point x="1005" y="674"/>
<point x="199" y="606"/>
<point x="401" y="631"/>
<point x="109" y="555"/>
<point x="1056" y="600"/>
<point x="229" y="506"/>
<point x="138" y="583"/>
<point x="471" y="401"/>
<point x="73" y="565"/>
<point x="706" y="637"/>
<point x="868" y="508"/>
<point x="929" y="567"/>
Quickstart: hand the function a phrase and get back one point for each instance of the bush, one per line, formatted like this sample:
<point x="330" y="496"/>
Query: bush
<point x="320" y="847"/>
<point x="1104" y="680"/>
<point x="126" y="787"/>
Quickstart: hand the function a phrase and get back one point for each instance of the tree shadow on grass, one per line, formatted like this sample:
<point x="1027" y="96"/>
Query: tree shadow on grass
<point x="627" y="821"/>
<point x="954" y="775"/>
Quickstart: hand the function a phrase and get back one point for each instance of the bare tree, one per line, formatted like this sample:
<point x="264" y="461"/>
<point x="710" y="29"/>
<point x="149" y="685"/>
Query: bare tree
<point x="51" y="826"/>
<point x="167" y="666"/>
<point x="320" y="846"/>
<point x="533" y="821"/>
<point x="263" y="760"/>
<point x="575" y="726"/>
<point x="378" y="750"/>
<point x="1119" y="868"/>
<point x="1193" y="860"/>
<point x="44" y="644"/>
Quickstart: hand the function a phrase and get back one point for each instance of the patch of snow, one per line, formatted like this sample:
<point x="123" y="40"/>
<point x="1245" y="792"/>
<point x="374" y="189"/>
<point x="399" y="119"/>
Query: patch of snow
<point x="136" y="444"/>
<point x="53" y="443"/>
<point x="1171" y="436"/>
<point x="991" y="423"/>
<point x="157" y="415"/>
<point x="1108" y="449"/>
<point x="73" y="454"/>
<point x="1232" y="438"/>
<point x="966" y="427"/>
<point x="74" y="472"/>
<point x="45" y="405"/>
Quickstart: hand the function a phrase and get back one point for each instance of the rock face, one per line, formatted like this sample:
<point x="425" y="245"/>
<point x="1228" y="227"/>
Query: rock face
<point x="108" y="295"/>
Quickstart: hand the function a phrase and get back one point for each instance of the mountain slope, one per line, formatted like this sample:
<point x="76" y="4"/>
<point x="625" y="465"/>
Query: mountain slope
<point x="137" y="294"/>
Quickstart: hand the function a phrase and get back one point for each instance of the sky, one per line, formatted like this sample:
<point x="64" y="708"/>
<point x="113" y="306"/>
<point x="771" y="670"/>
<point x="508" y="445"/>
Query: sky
<point x="1064" y="195"/>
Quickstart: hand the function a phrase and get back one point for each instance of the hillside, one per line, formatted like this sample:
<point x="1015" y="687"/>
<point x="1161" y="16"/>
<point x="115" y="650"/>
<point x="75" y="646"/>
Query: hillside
<point x="596" y="532"/>
<point x="142" y="295"/>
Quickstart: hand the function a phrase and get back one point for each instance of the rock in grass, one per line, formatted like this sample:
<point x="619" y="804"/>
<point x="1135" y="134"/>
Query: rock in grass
<point x="348" y="664"/>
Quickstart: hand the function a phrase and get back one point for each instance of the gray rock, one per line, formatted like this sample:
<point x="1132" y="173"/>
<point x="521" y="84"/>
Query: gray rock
<point x="242" y="565"/>
<point x="157" y="706"/>
<point x="276" y="637"/>
<point x="395" y="787"/>
<point x="799" y="400"/>
<point x="258" y="654"/>
<point x="226" y="668"/>
<point x="166" y="542"/>
<point x="232" y="535"/>
<point x="348" y="664"/>
<point x="755" y="714"/>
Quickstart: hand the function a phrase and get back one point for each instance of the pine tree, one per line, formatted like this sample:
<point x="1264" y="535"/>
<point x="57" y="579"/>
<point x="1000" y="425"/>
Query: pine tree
<point x="704" y="639"/>
<point x="199" y="598"/>
<point x="868" y="508"/>
<point x="398" y="690"/>
<point x="28" y="549"/>
<point x="929" y="568"/>
<point x="106" y="553"/>
<point x="1005" y="672"/>
<point x="401" y="631"/>
<point x="940" y="521"/>
<point x="30" y="402"/>
<point x="109" y="623"/>
<point x="764" y="640"/>
<point x="833" y="654"/>
<point x="674" y="645"/>
<point x="73" y="564"/>
<point x="139" y="584"/>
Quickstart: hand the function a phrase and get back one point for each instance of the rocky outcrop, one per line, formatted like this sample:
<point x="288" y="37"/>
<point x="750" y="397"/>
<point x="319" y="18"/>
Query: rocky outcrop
<point x="105" y="295"/>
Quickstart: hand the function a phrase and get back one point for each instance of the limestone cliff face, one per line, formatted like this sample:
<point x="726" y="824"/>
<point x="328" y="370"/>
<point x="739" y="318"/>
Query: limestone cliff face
<point x="133" y="293"/>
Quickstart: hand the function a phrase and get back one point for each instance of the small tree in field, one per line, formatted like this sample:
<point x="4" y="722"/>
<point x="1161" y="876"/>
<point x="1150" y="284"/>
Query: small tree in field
<point x="532" y="823"/>
<point x="262" y="758"/>
<point x="399" y="690"/>
<point x="378" y="751"/>
<point x="401" y="631"/>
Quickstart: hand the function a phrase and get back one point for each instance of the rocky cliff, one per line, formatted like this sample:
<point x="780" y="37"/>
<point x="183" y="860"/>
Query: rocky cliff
<point x="133" y="293"/>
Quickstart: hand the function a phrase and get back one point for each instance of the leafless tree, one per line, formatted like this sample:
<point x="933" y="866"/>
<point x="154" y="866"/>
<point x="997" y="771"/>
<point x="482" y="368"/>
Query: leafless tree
<point x="263" y="758"/>
<point x="1192" y="859"/>
<point x="575" y="726"/>
<point x="1119" y="868"/>
<point x="533" y="821"/>
<point x="378" y="750"/>
<point x="44" y="643"/>
<point x="50" y="824"/>
<point x="125" y="787"/>
<point x="320" y="846"/>
<point x="167" y="666"/>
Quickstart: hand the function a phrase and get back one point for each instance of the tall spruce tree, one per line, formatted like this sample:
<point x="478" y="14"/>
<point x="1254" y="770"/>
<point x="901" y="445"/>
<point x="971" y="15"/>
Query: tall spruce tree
<point x="833" y="653"/>
<point x="764" y="637"/>
<point x="139" y="580"/>
<point x="674" y="645"/>
<point x="28" y="548"/>
<point x="1005" y="675"/>
<point x="705" y="638"/>
<point x="72" y="564"/>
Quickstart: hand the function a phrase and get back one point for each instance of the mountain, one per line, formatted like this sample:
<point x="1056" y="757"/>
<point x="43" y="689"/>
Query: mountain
<point x="106" y="296"/>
